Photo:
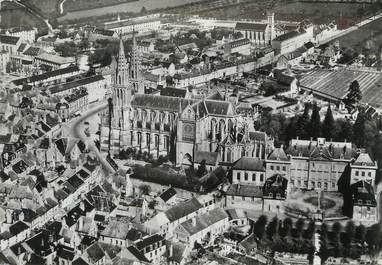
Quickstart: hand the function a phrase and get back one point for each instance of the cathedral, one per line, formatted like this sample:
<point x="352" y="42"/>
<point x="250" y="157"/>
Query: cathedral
<point x="210" y="125"/>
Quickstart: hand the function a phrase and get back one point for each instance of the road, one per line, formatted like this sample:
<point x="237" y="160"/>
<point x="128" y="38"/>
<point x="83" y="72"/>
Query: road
<point x="75" y="129"/>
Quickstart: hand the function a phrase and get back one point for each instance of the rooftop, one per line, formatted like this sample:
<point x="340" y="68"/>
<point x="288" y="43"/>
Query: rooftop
<point x="335" y="84"/>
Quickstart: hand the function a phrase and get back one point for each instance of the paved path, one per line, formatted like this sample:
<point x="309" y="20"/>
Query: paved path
<point x="74" y="129"/>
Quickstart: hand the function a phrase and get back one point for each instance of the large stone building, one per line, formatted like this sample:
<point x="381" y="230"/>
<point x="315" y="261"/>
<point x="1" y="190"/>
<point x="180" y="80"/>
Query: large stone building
<point x="156" y="123"/>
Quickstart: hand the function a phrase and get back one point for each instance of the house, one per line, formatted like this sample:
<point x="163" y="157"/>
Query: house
<point x="119" y="234"/>
<point x="249" y="170"/>
<point x="293" y="40"/>
<point x="95" y="255"/>
<point x="9" y="44"/>
<point x="168" y="197"/>
<point x="53" y="62"/>
<point x="164" y="223"/>
<point x="153" y="247"/>
<point x="202" y="228"/>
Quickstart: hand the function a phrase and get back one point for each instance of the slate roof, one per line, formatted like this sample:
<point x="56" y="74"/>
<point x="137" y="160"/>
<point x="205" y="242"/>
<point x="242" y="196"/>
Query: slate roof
<point x="321" y="152"/>
<point x="79" y="261"/>
<point x="214" y="107"/>
<point x="7" y="39"/>
<point x="257" y="27"/>
<point x="18" y="227"/>
<point x="363" y="194"/>
<point x="147" y="241"/>
<point x="55" y="59"/>
<point x="258" y="136"/>
<point x="288" y="35"/>
<point x="250" y="163"/>
<point x="204" y="221"/>
<point x="275" y="185"/>
<point x="77" y="83"/>
<point x="136" y="253"/>
<point x="173" y="92"/>
<point x="245" y="190"/>
<point x="163" y="103"/>
<point x="95" y="253"/>
<point x="168" y="194"/>
<point x="32" y="51"/>
<point x="278" y="154"/>
<point x="363" y="159"/>
<point x="116" y="229"/>
<point x="49" y="74"/>
<point x="183" y="209"/>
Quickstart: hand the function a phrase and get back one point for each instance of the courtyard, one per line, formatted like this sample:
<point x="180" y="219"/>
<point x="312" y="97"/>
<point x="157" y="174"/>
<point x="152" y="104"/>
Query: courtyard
<point x="304" y="203"/>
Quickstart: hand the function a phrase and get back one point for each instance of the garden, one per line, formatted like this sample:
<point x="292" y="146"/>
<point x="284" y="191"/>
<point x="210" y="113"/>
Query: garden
<point x="304" y="203"/>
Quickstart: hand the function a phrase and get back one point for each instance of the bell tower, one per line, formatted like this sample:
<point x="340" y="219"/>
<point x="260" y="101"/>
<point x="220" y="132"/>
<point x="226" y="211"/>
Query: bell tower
<point x="135" y="73"/>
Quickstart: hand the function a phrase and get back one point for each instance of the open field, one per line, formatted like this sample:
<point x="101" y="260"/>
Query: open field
<point x="13" y="15"/>
<point x="366" y="37"/>
<point x="345" y="14"/>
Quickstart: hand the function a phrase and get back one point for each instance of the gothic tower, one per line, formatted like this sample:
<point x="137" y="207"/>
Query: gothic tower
<point x="135" y="73"/>
<point x="120" y="67"/>
<point x="117" y="131"/>
<point x="271" y="26"/>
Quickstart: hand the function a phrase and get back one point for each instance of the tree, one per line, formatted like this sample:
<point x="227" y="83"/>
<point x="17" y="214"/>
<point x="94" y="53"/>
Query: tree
<point x="287" y="226"/>
<point x="359" y="129"/>
<point x="328" y="126"/>
<point x="303" y="123"/>
<point x="354" y="95"/>
<point x="172" y="153"/>
<point x="272" y="228"/>
<point x="143" y="10"/>
<point x="372" y="236"/>
<point x="344" y="130"/>
<point x="360" y="233"/>
<point x="201" y="169"/>
<point x="145" y="189"/>
<point x="336" y="229"/>
<point x="315" y="122"/>
<point x="259" y="226"/>
<point x="350" y="232"/>
<point x="299" y="227"/>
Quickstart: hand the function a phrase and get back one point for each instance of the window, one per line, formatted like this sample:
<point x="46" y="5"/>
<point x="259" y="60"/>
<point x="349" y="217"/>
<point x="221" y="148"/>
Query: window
<point x="238" y="176"/>
<point x="284" y="168"/>
<point x="246" y="176"/>
<point x="363" y="173"/>
<point x="333" y="184"/>
<point x="253" y="176"/>
<point x="262" y="177"/>
<point x="369" y="174"/>
<point x="357" y="173"/>
<point x="278" y="168"/>
<point x="272" y="167"/>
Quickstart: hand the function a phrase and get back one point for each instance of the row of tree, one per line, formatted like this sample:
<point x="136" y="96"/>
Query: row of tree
<point x="350" y="241"/>
<point x="285" y="235"/>
<point x="304" y="126"/>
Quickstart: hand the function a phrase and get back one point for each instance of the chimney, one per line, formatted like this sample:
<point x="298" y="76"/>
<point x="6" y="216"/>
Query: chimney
<point x="193" y="221"/>
<point x="170" y="251"/>
<point x="81" y="223"/>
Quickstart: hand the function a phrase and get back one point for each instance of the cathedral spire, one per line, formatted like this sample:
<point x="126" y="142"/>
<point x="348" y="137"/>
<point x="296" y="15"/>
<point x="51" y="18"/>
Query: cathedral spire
<point x="121" y="52"/>
<point x="134" y="40"/>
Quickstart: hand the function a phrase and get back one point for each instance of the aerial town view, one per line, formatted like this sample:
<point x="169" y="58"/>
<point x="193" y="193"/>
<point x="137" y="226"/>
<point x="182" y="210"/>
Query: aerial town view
<point x="180" y="132"/>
